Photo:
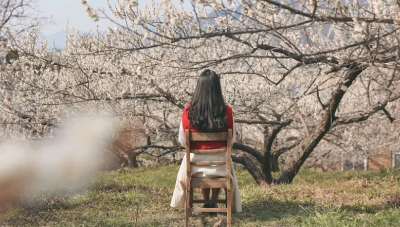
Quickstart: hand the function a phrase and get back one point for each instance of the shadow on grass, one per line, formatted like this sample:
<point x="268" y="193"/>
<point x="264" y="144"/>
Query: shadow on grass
<point x="262" y="211"/>
<point x="258" y="213"/>
<point x="364" y="209"/>
<point x="272" y="210"/>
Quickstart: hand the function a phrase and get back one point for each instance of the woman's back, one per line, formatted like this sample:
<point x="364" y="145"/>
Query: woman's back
<point x="209" y="144"/>
<point x="206" y="112"/>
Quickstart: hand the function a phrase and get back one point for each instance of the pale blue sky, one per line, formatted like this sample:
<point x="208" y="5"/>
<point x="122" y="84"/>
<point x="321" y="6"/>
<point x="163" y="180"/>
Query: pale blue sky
<point x="74" y="12"/>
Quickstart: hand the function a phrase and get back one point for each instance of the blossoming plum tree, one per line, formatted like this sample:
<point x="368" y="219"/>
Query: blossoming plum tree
<point x="295" y="72"/>
<point x="286" y="63"/>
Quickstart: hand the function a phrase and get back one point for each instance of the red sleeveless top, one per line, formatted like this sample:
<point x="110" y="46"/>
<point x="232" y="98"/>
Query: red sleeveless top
<point x="212" y="144"/>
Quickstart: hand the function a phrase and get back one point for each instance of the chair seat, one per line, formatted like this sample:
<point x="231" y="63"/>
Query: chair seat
<point x="208" y="183"/>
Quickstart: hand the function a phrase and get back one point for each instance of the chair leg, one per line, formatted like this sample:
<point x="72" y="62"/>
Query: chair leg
<point x="186" y="218"/>
<point x="226" y="199"/>
<point x="229" y="208"/>
<point x="191" y="202"/>
<point x="187" y="207"/>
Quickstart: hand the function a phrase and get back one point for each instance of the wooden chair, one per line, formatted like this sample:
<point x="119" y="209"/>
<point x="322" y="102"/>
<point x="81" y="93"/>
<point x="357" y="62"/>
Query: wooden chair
<point x="222" y="182"/>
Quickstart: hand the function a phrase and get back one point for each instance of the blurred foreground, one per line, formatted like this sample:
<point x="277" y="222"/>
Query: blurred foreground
<point x="140" y="197"/>
<point x="68" y="161"/>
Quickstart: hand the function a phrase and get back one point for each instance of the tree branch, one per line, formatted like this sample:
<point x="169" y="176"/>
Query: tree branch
<point x="365" y="116"/>
<point x="263" y="122"/>
<point x="249" y="150"/>
<point x="249" y="166"/>
<point x="314" y="17"/>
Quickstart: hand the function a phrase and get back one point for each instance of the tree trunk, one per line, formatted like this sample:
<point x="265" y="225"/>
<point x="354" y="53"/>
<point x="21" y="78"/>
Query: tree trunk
<point x="286" y="177"/>
<point x="248" y="163"/>
<point x="308" y="145"/>
<point x="274" y="163"/>
<point x="133" y="160"/>
<point x="250" y="167"/>
<point x="269" y="138"/>
<point x="266" y="164"/>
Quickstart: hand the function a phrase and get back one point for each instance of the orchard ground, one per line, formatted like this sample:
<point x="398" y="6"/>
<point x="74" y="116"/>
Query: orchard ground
<point x="140" y="197"/>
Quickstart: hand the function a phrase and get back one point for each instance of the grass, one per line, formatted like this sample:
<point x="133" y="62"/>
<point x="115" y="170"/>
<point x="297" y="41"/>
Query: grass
<point x="141" y="196"/>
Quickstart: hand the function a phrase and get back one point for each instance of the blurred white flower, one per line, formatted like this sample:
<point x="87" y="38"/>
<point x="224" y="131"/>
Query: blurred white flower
<point x="364" y="24"/>
<point x="358" y="28"/>
<point x="378" y="7"/>
<point x="215" y="5"/>
<point x="173" y="21"/>
<point x="92" y="13"/>
<point x="338" y="4"/>
<point x="134" y="3"/>
<point x="145" y="34"/>
<point x="110" y="31"/>
<point x="394" y="8"/>
<point x="220" y="20"/>
<point x="323" y="14"/>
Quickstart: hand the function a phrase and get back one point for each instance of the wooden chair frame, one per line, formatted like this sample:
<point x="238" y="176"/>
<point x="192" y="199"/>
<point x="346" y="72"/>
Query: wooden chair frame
<point x="223" y="182"/>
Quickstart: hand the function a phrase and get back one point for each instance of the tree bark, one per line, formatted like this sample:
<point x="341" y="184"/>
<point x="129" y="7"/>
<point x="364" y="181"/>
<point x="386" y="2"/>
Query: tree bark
<point x="269" y="138"/>
<point x="133" y="160"/>
<point x="266" y="164"/>
<point x="274" y="163"/>
<point x="250" y="167"/>
<point x="249" y="150"/>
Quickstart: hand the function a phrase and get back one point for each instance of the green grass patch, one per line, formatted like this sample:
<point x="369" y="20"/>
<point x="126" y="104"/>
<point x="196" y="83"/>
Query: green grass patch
<point x="129" y="197"/>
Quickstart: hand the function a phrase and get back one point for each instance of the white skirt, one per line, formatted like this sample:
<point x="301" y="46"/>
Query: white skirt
<point x="179" y="196"/>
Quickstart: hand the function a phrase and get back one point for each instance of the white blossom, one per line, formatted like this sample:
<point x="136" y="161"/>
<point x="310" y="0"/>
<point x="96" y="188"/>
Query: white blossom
<point x="215" y="5"/>
<point x="358" y="28"/>
<point x="134" y="3"/>
<point x="174" y="21"/>
<point x="394" y="8"/>
<point x="378" y="7"/>
<point x="220" y="20"/>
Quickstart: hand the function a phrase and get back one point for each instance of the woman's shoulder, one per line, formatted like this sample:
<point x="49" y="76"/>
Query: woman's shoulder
<point x="228" y="108"/>
<point x="186" y="109"/>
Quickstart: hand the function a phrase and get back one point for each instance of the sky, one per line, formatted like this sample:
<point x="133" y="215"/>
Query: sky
<point x="72" y="11"/>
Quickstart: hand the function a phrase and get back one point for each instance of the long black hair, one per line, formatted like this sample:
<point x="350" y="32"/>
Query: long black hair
<point x="207" y="110"/>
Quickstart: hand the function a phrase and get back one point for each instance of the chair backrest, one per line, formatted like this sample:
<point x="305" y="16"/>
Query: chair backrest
<point x="220" y="182"/>
<point x="211" y="136"/>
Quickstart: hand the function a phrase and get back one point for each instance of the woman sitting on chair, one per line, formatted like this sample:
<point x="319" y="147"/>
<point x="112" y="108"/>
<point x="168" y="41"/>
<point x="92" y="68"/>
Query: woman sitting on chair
<point x="206" y="112"/>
